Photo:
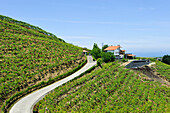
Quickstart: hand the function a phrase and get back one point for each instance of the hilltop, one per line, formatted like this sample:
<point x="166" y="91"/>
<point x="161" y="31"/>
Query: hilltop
<point x="30" y="56"/>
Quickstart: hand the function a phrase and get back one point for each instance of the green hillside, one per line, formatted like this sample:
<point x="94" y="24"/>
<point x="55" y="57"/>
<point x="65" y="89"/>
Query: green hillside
<point x="30" y="55"/>
<point x="108" y="90"/>
<point x="163" y="69"/>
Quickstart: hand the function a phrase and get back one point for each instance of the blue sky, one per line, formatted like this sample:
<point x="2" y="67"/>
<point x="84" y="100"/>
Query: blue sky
<point x="141" y="27"/>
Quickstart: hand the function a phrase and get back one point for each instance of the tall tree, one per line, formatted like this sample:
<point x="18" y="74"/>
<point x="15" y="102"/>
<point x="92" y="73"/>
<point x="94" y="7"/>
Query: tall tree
<point x="104" y="47"/>
<point x="96" y="52"/>
<point x="166" y="59"/>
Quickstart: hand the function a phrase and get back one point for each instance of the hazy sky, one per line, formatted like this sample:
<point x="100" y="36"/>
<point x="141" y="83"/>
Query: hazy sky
<point x="141" y="27"/>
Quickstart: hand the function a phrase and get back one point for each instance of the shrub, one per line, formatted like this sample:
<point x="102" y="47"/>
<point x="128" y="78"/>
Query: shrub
<point x="99" y="62"/>
<point x="124" y="60"/>
<point x="166" y="59"/>
<point x="107" y="57"/>
<point x="94" y="59"/>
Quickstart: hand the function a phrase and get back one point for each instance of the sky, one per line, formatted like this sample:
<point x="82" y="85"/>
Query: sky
<point x="141" y="27"/>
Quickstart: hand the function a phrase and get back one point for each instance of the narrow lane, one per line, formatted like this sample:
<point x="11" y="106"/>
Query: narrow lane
<point x="25" y="105"/>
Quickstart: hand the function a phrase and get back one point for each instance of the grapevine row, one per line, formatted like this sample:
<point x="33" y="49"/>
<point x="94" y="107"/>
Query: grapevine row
<point x="110" y="89"/>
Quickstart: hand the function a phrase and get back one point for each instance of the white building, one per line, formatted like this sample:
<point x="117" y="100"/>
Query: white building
<point x="116" y="50"/>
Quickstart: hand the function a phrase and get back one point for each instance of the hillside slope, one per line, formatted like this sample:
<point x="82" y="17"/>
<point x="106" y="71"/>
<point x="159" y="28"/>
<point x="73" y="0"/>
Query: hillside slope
<point x="163" y="69"/>
<point x="110" y="89"/>
<point x="29" y="55"/>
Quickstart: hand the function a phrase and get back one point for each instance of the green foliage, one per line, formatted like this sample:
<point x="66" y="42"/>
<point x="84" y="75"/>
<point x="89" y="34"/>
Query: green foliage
<point x="138" y="57"/>
<point x="163" y="69"/>
<point x="29" y="55"/>
<point x="104" y="47"/>
<point x="124" y="60"/>
<point x="109" y="89"/>
<point x="94" y="59"/>
<point x="147" y="58"/>
<point x="20" y="94"/>
<point x="28" y="26"/>
<point x="99" y="62"/>
<point x="96" y="52"/>
<point x="166" y="59"/>
<point x="107" y="57"/>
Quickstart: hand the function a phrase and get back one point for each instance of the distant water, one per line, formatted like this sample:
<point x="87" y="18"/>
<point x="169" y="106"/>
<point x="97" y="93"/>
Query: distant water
<point x="150" y="54"/>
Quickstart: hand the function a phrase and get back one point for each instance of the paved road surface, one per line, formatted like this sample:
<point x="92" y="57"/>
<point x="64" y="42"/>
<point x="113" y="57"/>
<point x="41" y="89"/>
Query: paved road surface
<point x="25" y="105"/>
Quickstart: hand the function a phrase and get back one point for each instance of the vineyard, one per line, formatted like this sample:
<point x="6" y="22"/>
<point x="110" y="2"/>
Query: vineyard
<point x="30" y="55"/>
<point x="109" y="89"/>
<point x="164" y="70"/>
<point x="19" y="27"/>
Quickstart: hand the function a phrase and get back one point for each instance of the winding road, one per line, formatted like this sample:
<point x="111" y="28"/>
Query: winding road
<point x="26" y="104"/>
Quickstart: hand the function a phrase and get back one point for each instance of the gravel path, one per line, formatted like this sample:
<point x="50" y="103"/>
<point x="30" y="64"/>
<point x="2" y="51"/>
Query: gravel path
<point x="26" y="104"/>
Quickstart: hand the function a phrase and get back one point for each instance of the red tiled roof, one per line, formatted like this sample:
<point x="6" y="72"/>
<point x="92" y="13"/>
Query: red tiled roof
<point x="112" y="48"/>
<point x="130" y="55"/>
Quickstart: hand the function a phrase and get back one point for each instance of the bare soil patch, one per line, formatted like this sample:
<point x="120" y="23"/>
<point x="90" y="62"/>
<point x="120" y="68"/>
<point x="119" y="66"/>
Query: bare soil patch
<point x="152" y="74"/>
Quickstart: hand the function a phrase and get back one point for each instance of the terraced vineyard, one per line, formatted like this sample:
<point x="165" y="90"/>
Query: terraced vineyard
<point x="110" y="89"/>
<point x="164" y="70"/>
<point x="29" y="55"/>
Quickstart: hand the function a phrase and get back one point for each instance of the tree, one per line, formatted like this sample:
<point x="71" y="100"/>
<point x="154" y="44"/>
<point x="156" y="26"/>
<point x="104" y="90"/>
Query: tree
<point x="107" y="57"/>
<point x="99" y="62"/>
<point x="166" y="59"/>
<point x="104" y="47"/>
<point x="96" y="52"/>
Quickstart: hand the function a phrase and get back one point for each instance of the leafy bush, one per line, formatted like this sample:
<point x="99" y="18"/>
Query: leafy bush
<point x="124" y="60"/>
<point x="107" y="57"/>
<point x="96" y="52"/>
<point x="99" y="62"/>
<point x="94" y="59"/>
<point x="166" y="59"/>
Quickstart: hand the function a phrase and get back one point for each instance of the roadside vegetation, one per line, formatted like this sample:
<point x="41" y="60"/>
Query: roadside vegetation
<point x="30" y="55"/>
<point x="108" y="89"/>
